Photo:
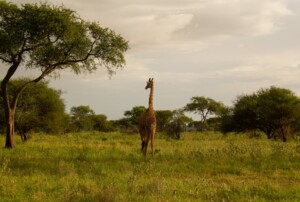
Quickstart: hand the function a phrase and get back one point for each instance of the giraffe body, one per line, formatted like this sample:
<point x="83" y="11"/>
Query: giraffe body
<point x="147" y="123"/>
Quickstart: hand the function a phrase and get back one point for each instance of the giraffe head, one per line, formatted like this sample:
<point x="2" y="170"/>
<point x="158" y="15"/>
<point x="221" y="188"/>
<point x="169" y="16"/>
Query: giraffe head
<point x="149" y="83"/>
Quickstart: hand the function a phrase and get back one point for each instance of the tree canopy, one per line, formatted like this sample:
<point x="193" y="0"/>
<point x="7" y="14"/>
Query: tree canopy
<point x="134" y="114"/>
<point x="54" y="37"/>
<point x="204" y="106"/>
<point x="273" y="111"/>
<point x="51" y="38"/>
<point x="40" y="108"/>
<point x="81" y="118"/>
<point x="163" y="118"/>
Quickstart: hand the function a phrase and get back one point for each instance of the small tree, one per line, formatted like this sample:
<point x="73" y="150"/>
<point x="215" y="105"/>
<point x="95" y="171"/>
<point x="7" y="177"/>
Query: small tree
<point x="100" y="123"/>
<point x="134" y="114"/>
<point x="178" y="123"/>
<point x="82" y="118"/>
<point x="204" y="107"/>
<point x="40" y="108"/>
<point x="163" y="118"/>
<point x="124" y="125"/>
<point x="51" y="38"/>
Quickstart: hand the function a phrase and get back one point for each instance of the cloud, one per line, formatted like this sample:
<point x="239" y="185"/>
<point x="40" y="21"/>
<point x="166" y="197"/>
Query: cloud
<point x="234" y="18"/>
<point x="181" y="24"/>
<point x="147" y="23"/>
<point x="265" y="70"/>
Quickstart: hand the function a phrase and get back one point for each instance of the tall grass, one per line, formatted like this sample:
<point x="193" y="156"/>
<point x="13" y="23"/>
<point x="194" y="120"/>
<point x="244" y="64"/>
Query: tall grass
<point x="110" y="167"/>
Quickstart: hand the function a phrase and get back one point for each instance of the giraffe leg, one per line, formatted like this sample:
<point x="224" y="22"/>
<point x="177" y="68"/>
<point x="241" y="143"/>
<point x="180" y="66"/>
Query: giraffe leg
<point x="145" y="147"/>
<point x="152" y="144"/>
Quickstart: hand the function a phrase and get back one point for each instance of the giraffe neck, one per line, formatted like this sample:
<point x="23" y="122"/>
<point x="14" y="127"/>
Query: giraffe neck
<point x="151" y="98"/>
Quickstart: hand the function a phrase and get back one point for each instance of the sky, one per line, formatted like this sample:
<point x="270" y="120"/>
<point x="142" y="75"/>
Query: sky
<point x="213" y="48"/>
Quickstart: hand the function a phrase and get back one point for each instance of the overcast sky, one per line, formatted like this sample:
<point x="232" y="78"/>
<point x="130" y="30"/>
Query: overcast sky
<point x="213" y="48"/>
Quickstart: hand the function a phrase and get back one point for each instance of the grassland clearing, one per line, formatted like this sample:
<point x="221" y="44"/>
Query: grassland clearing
<point x="110" y="167"/>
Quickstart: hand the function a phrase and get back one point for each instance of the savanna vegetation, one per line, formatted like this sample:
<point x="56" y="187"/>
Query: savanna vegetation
<point x="109" y="167"/>
<point x="249" y="151"/>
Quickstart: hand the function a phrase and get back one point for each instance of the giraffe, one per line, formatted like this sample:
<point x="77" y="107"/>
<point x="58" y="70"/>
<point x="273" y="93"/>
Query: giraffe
<point x="147" y="123"/>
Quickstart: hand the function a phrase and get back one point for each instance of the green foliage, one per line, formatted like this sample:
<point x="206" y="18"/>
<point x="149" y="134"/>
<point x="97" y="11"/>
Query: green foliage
<point x="101" y="123"/>
<point x="245" y="112"/>
<point x="50" y="109"/>
<point x="274" y="111"/>
<point x="204" y="107"/>
<point x="280" y="108"/>
<point x="40" y="108"/>
<point x="81" y="112"/>
<point x="124" y="125"/>
<point x="83" y="118"/>
<point x="134" y="114"/>
<point x="226" y="121"/>
<point x="54" y="37"/>
<point x="130" y="122"/>
<point x="163" y="118"/>
<point x="110" y="167"/>
<point x="177" y="124"/>
<point x="50" y="39"/>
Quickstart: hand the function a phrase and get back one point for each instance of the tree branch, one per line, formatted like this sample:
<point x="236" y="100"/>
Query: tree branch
<point x="25" y="85"/>
<point x="5" y="81"/>
<point x="89" y="53"/>
<point x="5" y="60"/>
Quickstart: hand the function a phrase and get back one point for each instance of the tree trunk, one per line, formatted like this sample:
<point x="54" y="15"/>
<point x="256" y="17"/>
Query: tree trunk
<point x="10" y="107"/>
<point x="285" y="130"/>
<point x="10" y="141"/>
<point x="201" y="126"/>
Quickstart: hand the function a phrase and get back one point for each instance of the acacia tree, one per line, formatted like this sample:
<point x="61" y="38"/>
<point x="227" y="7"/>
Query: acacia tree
<point x="51" y="38"/>
<point x="204" y="106"/>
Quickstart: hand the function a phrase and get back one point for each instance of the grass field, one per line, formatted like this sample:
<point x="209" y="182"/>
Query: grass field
<point x="110" y="167"/>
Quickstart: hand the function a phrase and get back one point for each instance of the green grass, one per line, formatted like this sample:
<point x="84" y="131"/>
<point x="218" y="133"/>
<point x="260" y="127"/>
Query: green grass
<point x="110" y="167"/>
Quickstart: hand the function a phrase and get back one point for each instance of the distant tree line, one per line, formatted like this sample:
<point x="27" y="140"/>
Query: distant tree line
<point x="274" y="112"/>
<point x="172" y="123"/>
